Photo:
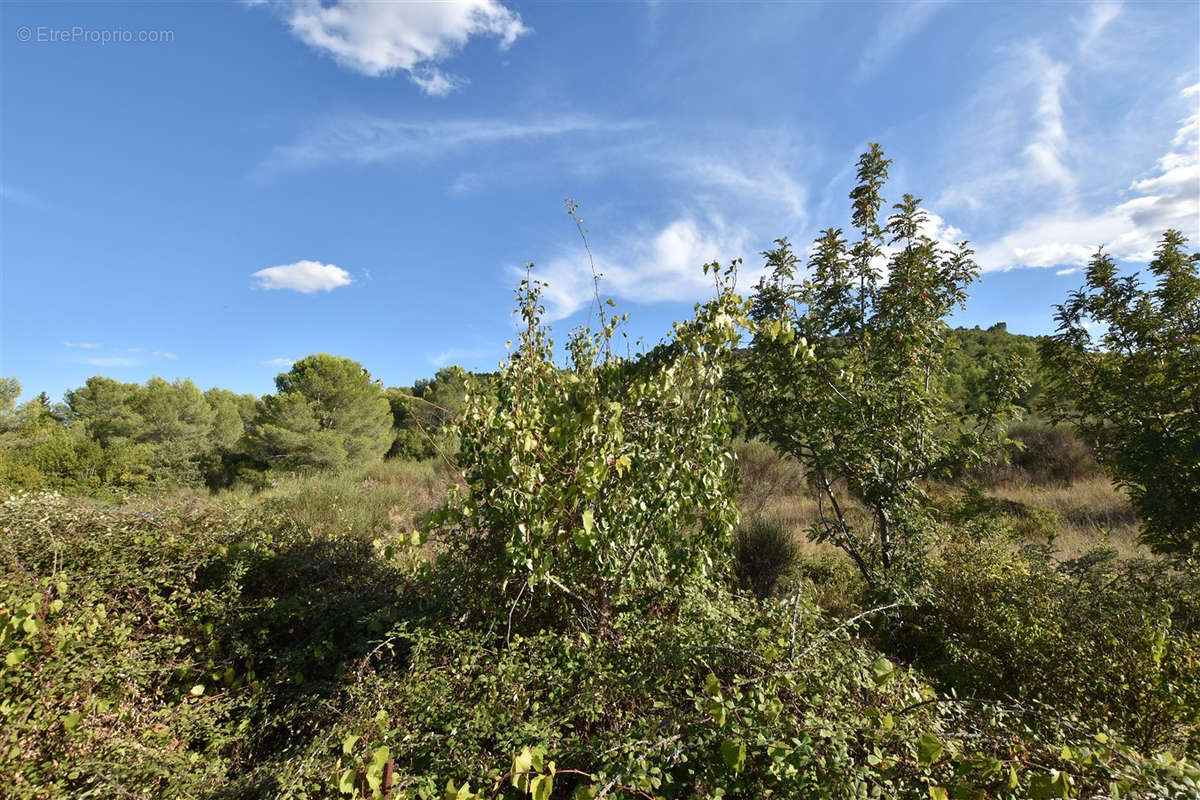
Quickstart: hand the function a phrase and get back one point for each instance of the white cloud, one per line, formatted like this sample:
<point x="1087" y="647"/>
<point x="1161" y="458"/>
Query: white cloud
<point x="165" y="354"/>
<point x="1100" y="16"/>
<point x="1130" y="230"/>
<point x="83" y="345"/>
<point x="383" y="38"/>
<point x="284" y="363"/>
<point x="897" y="26"/>
<point x="457" y="355"/>
<point x="1047" y="150"/>
<point x="665" y="265"/>
<point x="366" y="139"/>
<point x="1011" y="150"/>
<point x="16" y="196"/>
<point x="111" y="361"/>
<point x="1067" y="271"/>
<point x="758" y="177"/>
<point x="307" y="277"/>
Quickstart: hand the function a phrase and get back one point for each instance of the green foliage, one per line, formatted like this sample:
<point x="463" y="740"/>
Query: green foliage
<point x="328" y="413"/>
<point x="39" y="451"/>
<point x="426" y="416"/>
<point x="1117" y="643"/>
<point x="175" y="428"/>
<point x="1132" y="387"/>
<point x="973" y="353"/>
<point x="601" y="481"/>
<point x="173" y="654"/>
<point x="869" y="410"/>
<point x="764" y="552"/>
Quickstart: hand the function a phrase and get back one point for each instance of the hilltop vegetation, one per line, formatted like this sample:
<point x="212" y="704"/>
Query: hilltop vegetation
<point x="564" y="579"/>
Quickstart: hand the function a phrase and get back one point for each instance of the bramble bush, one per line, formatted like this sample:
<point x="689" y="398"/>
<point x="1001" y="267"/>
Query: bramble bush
<point x="1113" y="642"/>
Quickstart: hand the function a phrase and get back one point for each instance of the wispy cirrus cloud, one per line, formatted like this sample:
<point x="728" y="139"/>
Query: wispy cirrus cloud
<point x="282" y="363"/>
<point x="1168" y="197"/>
<point x="1100" y="16"/>
<point x="111" y="361"/>
<point x="899" y="23"/>
<point x="371" y="139"/>
<point x="384" y="38"/>
<point x="18" y="197"/>
<point x="116" y="356"/>
<point x="306" y="277"/>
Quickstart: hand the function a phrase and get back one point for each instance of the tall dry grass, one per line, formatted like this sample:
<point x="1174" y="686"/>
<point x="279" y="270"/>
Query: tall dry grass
<point x="380" y="500"/>
<point x="1091" y="510"/>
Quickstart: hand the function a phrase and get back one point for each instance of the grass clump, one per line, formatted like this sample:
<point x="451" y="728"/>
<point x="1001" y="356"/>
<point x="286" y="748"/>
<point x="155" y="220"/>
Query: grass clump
<point x="765" y="551"/>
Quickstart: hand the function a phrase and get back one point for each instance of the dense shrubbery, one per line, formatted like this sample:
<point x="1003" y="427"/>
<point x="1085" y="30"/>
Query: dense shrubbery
<point x="1112" y="643"/>
<point x="237" y="654"/>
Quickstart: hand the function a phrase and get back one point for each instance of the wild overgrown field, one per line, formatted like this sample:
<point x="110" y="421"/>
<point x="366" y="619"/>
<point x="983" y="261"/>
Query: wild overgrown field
<point x="813" y="544"/>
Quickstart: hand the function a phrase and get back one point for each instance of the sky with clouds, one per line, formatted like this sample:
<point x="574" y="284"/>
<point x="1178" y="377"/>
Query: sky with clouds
<point x="213" y="190"/>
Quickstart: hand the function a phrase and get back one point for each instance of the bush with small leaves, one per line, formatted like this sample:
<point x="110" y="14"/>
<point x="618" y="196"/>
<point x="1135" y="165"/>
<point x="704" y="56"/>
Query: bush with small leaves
<point x="608" y="481"/>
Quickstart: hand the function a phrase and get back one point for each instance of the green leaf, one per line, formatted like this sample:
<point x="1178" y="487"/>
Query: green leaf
<point x="733" y="753"/>
<point x="541" y="786"/>
<point x="521" y="764"/>
<point x="881" y="670"/>
<point x="71" y="721"/>
<point x="15" y="656"/>
<point x="929" y="749"/>
<point x="346" y="781"/>
<point x="716" y="710"/>
<point x="938" y="793"/>
<point x="348" y="743"/>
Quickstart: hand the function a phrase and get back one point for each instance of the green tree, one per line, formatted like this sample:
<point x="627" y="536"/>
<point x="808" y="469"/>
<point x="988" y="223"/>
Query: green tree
<point x="40" y="450"/>
<point x="426" y="415"/>
<point x="108" y="409"/>
<point x="172" y="420"/>
<point x="231" y="413"/>
<point x="869" y="413"/>
<point x="10" y="390"/>
<point x="328" y="413"/>
<point x="1125" y="363"/>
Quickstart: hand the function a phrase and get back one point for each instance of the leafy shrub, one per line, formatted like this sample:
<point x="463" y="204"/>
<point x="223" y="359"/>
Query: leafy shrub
<point x="974" y="507"/>
<point x="764" y="551"/>
<point x="1115" y="642"/>
<point x="598" y="482"/>
<point x="172" y="653"/>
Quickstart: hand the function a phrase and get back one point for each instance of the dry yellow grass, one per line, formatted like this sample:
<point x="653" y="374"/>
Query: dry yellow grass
<point x="1093" y="511"/>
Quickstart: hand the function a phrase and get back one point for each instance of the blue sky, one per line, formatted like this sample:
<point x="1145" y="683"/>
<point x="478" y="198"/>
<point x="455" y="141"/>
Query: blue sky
<point x="210" y="190"/>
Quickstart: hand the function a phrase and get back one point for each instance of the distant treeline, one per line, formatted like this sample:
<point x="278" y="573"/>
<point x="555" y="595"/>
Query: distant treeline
<point x="327" y="414"/>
